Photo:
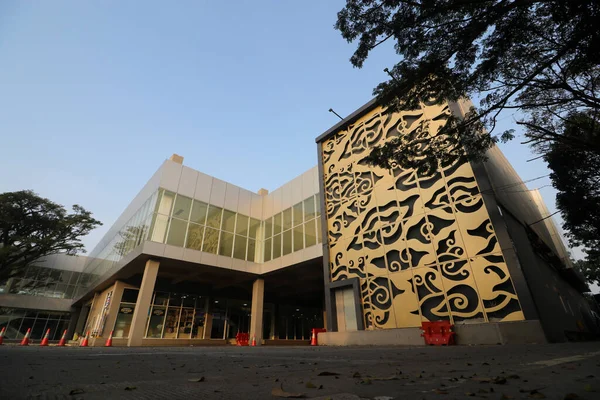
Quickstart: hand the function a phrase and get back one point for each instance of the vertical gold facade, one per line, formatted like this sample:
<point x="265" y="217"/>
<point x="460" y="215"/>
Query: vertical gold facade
<point x="423" y="247"/>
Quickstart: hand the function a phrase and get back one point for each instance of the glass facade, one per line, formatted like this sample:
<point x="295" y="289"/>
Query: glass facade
<point x="17" y="321"/>
<point x="186" y="222"/>
<point x="293" y="229"/>
<point x="45" y="282"/>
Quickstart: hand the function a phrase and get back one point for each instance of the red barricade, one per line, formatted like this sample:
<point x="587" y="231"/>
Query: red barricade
<point x="242" y="339"/>
<point x="438" y="333"/>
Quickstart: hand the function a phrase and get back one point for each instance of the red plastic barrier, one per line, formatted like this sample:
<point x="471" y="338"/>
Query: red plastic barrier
<point x="438" y="333"/>
<point x="242" y="339"/>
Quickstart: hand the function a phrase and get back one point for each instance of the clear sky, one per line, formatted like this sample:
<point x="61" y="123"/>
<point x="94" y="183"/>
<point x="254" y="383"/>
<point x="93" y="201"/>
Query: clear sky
<point x="94" y="95"/>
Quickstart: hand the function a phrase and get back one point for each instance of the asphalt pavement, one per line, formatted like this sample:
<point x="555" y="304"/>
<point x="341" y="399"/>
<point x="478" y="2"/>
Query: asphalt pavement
<point x="552" y="371"/>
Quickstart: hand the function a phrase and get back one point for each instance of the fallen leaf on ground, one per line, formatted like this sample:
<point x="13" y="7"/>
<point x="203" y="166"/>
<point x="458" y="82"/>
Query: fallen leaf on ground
<point x="470" y="394"/>
<point x="279" y="392"/>
<point x="588" y="388"/>
<point x="388" y="378"/>
<point x="130" y="388"/>
<point x="366" y="382"/>
<point x="320" y="387"/>
<point x="505" y="397"/>
<point x="482" y="380"/>
<point x="201" y="379"/>
<point x="440" y="391"/>
<point x="571" y="396"/>
<point x="325" y="373"/>
<point x="310" y="385"/>
<point x="76" y="391"/>
<point x="356" y="375"/>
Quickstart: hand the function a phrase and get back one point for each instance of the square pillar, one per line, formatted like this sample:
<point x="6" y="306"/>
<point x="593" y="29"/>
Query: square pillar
<point x="140" y="314"/>
<point x="256" y="317"/>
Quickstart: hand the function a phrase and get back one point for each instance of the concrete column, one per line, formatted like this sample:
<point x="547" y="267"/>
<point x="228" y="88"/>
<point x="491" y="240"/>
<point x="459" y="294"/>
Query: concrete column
<point x="80" y="324"/>
<point x="140" y="314"/>
<point x="256" y="317"/>
<point x="75" y="313"/>
<point x="207" y="319"/>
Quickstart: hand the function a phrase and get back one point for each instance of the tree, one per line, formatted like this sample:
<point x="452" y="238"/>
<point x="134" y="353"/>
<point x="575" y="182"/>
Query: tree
<point x="576" y="177"/>
<point x="32" y="227"/>
<point x="538" y="57"/>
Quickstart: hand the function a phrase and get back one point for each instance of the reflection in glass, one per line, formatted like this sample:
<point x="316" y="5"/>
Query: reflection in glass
<point x="239" y="250"/>
<point x="211" y="240"/>
<point x="226" y="244"/>
<point x="318" y="230"/>
<point x="276" y="246"/>
<point x="171" y="323"/>
<point x="159" y="228"/>
<point x="310" y="233"/>
<point x="267" y="256"/>
<point x="156" y="322"/>
<point x="166" y="203"/>
<point x="268" y="228"/>
<point x="309" y="208"/>
<point x="276" y="224"/>
<point x="297" y="212"/>
<point x="182" y="208"/>
<point x="287" y="219"/>
<point x="228" y="221"/>
<point x="198" y="214"/>
<point x="287" y="242"/>
<point x="318" y="205"/>
<point x="251" y="249"/>
<point x="214" y="216"/>
<point x="254" y="225"/>
<point x="176" y="236"/>
<point x="241" y="227"/>
<point x="298" y="238"/>
<point x="194" y="237"/>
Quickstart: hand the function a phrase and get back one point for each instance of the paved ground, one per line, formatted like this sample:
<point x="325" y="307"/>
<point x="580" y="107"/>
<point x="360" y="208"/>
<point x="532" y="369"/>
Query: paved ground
<point x="493" y="372"/>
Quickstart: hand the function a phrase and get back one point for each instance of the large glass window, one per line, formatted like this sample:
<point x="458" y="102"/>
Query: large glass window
<point x="310" y="237"/>
<point x="251" y="250"/>
<point x="239" y="250"/>
<point x="228" y="221"/>
<point x="287" y="242"/>
<point x="253" y="229"/>
<point x="194" y="237"/>
<point x="159" y="228"/>
<point x="297" y="213"/>
<point x="241" y="228"/>
<point x="226" y="244"/>
<point x="287" y="219"/>
<point x="182" y="207"/>
<point x="267" y="250"/>
<point x="214" y="216"/>
<point x="276" y="246"/>
<point x="277" y="224"/>
<point x="198" y="214"/>
<point x="309" y="209"/>
<point x="211" y="240"/>
<point x="177" y="231"/>
<point x="166" y="203"/>
<point x="298" y="238"/>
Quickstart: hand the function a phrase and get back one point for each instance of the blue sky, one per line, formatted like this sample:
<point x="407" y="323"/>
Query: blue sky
<point x="95" y="95"/>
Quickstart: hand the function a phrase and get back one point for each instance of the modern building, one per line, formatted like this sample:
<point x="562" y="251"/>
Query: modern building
<point x="366" y="252"/>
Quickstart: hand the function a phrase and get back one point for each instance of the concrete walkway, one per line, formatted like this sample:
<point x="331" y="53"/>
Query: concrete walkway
<point x="493" y="372"/>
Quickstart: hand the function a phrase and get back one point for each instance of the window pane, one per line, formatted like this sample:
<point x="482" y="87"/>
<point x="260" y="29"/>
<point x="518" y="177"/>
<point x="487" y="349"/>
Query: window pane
<point x="297" y="211"/>
<point x="267" y="256"/>
<point x="228" y="221"/>
<point x="310" y="233"/>
<point x="211" y="240"/>
<point x="194" y="237"/>
<point x="268" y="228"/>
<point x="166" y="203"/>
<point x="239" y="251"/>
<point x="251" y="250"/>
<point x="226" y="244"/>
<point x="254" y="225"/>
<point x="241" y="228"/>
<point x="318" y="205"/>
<point x="287" y="242"/>
<point x="182" y="208"/>
<point x="298" y="238"/>
<point x="276" y="224"/>
<point x="177" y="230"/>
<point x="157" y="317"/>
<point x="276" y="246"/>
<point x="213" y="218"/>
<point x="318" y="230"/>
<point x="159" y="228"/>
<point x="199" y="212"/>
<point x="287" y="219"/>
<point x="129" y="295"/>
<point x="309" y="208"/>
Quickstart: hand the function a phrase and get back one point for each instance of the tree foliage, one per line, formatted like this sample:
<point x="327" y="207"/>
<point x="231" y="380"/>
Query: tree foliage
<point x="32" y="227"/>
<point x="538" y="57"/>
<point x="576" y="176"/>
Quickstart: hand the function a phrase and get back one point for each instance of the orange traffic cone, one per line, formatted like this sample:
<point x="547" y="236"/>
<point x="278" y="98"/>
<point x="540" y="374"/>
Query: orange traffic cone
<point x="25" y="341"/>
<point x="84" y="343"/>
<point x="2" y="334"/>
<point x="63" y="339"/>
<point x="45" y="339"/>
<point x="253" y="340"/>
<point x="313" y="340"/>
<point x="109" y="340"/>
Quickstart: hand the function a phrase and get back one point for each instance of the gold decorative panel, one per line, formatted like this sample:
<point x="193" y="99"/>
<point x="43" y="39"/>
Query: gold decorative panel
<point x="422" y="246"/>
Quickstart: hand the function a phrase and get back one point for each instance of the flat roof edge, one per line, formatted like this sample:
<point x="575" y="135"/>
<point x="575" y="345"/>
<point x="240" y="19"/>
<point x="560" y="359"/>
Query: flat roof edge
<point x="348" y="120"/>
